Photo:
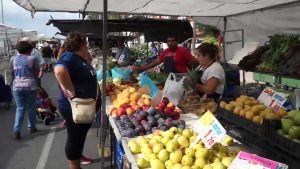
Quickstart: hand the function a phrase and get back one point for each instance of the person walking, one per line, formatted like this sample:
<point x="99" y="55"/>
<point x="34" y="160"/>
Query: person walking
<point x="24" y="67"/>
<point x="77" y="79"/>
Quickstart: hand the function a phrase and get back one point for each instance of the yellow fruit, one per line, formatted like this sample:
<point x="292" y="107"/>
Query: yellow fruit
<point x="258" y="119"/>
<point x="229" y="107"/>
<point x="281" y="112"/>
<point x="233" y="103"/>
<point x="271" y="116"/>
<point x="237" y="110"/>
<point x="242" y="113"/>
<point x="247" y="107"/>
<point x="132" y="90"/>
<point x="240" y="104"/>
<point x="223" y="104"/>
<point x="249" y="115"/>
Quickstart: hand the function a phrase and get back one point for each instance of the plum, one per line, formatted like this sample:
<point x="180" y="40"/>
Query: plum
<point x="143" y="122"/>
<point x="157" y="116"/>
<point x="182" y="126"/>
<point x="130" y="126"/>
<point x="153" y="129"/>
<point x="163" y="128"/>
<point x="149" y="132"/>
<point x="169" y="122"/>
<point x="142" y="133"/>
<point x="123" y="117"/>
<point x="181" y="122"/>
<point x="152" y="122"/>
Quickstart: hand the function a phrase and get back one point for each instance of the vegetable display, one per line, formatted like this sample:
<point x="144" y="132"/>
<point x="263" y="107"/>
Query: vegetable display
<point x="158" y="78"/>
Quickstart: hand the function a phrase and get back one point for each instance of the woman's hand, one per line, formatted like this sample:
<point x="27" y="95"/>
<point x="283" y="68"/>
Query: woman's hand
<point x="69" y="94"/>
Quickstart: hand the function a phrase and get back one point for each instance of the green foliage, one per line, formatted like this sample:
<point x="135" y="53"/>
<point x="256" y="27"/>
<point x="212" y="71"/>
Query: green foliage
<point x="139" y="52"/>
<point x="208" y="30"/>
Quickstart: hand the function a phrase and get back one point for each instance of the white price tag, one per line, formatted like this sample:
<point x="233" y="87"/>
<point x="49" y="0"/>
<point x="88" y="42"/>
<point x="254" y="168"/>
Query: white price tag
<point x="209" y="130"/>
<point x="272" y="98"/>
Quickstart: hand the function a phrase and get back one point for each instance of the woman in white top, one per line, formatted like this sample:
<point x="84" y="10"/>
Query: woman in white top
<point x="212" y="74"/>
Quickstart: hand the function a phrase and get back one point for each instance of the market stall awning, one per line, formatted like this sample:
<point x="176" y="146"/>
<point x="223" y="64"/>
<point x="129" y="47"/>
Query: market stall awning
<point x="153" y="29"/>
<point x="163" y="7"/>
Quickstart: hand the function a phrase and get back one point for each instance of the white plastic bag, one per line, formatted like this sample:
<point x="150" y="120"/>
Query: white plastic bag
<point x="173" y="89"/>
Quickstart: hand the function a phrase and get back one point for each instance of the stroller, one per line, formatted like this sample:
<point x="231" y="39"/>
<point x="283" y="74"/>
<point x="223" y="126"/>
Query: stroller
<point x="45" y="109"/>
<point x="5" y="92"/>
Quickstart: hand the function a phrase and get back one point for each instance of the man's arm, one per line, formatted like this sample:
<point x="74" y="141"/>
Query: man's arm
<point x="154" y="63"/>
<point x="38" y="55"/>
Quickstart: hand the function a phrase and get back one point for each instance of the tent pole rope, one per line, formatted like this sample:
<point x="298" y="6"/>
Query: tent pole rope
<point x="103" y="114"/>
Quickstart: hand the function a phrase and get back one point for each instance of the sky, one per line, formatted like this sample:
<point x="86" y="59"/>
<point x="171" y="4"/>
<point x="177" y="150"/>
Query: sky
<point x="16" y="16"/>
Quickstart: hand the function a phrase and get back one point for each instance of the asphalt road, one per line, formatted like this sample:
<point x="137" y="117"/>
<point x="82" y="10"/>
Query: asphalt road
<point x="45" y="149"/>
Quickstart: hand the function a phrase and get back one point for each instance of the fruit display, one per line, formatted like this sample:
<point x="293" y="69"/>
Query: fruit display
<point x="251" y="109"/>
<point x="171" y="150"/>
<point x="291" y="126"/>
<point x="143" y="122"/>
<point x="193" y="104"/>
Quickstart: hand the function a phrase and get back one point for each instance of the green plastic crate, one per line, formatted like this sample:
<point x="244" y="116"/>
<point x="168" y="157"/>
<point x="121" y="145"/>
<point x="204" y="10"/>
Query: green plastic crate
<point x="290" y="82"/>
<point x="268" y="78"/>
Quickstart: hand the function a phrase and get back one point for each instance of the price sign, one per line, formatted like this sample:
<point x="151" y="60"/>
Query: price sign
<point x="209" y="130"/>
<point x="273" y="99"/>
<point x="251" y="161"/>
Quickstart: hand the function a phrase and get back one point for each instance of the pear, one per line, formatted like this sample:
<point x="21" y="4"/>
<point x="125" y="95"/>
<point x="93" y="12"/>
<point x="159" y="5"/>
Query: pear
<point x="207" y="166"/>
<point x="157" y="147"/>
<point x="176" y="156"/>
<point x="190" y="151"/>
<point x="200" y="162"/>
<point x="202" y="153"/>
<point x="177" y="166"/>
<point x="186" y="167"/>
<point x="163" y="155"/>
<point x="142" y="163"/>
<point x="169" y="164"/>
<point x="135" y="148"/>
<point x="157" y="164"/>
<point x="187" y="160"/>
<point x="171" y="146"/>
<point x="227" y="161"/>
<point x="183" y="141"/>
<point x="187" y="133"/>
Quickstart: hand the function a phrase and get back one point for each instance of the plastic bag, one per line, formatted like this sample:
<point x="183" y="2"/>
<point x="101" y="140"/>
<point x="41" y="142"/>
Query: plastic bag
<point x="99" y="74"/>
<point x="173" y="89"/>
<point x="145" y="80"/>
<point x="123" y="73"/>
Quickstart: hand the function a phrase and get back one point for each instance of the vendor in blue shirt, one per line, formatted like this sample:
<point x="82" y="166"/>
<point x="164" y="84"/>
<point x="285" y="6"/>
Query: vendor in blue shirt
<point x="76" y="78"/>
<point x="123" y="55"/>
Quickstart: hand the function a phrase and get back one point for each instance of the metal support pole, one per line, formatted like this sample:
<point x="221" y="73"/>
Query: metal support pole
<point x="193" y="46"/>
<point x="6" y="41"/>
<point x="224" y="44"/>
<point x="243" y="45"/>
<point x="103" y="110"/>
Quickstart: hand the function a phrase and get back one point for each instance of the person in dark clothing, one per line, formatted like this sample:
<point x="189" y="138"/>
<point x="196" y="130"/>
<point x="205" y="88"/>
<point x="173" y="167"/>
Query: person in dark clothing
<point x="47" y="55"/>
<point x="76" y="79"/>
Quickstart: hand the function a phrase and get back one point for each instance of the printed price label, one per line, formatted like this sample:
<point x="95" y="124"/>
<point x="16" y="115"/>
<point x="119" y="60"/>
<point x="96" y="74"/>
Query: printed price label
<point x="251" y="161"/>
<point x="209" y="130"/>
<point x="272" y="98"/>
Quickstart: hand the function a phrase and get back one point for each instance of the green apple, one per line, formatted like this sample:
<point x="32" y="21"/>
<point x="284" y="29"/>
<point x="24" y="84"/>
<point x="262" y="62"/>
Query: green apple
<point x="169" y="164"/>
<point x="146" y="150"/>
<point x="183" y="141"/>
<point x="187" y="160"/>
<point x="158" y="138"/>
<point x="171" y="146"/>
<point x="218" y="165"/>
<point x="200" y="162"/>
<point x="157" y="147"/>
<point x="187" y="133"/>
<point x="163" y="155"/>
<point x="227" y="161"/>
<point x="142" y="163"/>
<point x="207" y="166"/>
<point x="190" y="152"/>
<point x="198" y="146"/>
<point x="131" y="143"/>
<point x="157" y="164"/>
<point x="223" y="149"/>
<point x="165" y="140"/>
<point x="152" y="156"/>
<point x="216" y="159"/>
<point x="169" y="134"/>
<point x="173" y="129"/>
<point x="150" y="136"/>
<point x="177" y="166"/>
<point x="202" y="153"/>
<point x="186" y="167"/>
<point x="176" y="156"/>
<point x="195" y="167"/>
<point x="192" y="139"/>
<point x="142" y="140"/>
<point x="135" y="148"/>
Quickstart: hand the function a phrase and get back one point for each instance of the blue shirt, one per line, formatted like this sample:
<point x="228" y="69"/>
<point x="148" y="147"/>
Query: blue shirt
<point x="24" y="68"/>
<point x="83" y="77"/>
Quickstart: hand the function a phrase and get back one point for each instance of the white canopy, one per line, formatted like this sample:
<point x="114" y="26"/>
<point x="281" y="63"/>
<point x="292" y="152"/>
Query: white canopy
<point x="163" y="7"/>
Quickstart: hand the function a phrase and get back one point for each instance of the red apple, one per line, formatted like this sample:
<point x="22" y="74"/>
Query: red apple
<point x="121" y="112"/>
<point x="162" y="104"/>
<point x="125" y="106"/>
<point x="175" y="115"/>
<point x="145" y="108"/>
<point x="159" y="108"/>
<point x="171" y="105"/>
<point x="168" y="111"/>
<point x="165" y="100"/>
<point x="129" y="111"/>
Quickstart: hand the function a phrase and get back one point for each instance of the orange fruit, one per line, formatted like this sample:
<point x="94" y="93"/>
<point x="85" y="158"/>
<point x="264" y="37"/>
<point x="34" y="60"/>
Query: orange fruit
<point x="147" y="102"/>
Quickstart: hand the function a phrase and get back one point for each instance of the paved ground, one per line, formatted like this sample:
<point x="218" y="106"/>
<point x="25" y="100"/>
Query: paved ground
<point x="44" y="150"/>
